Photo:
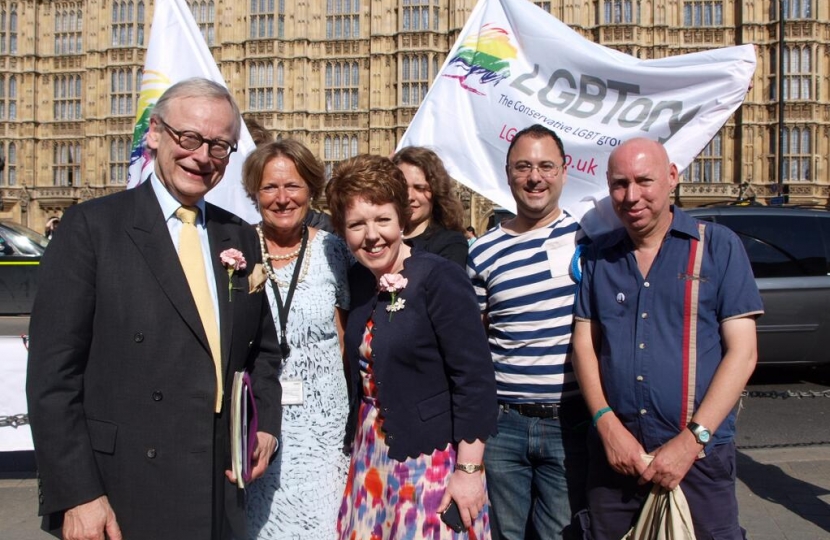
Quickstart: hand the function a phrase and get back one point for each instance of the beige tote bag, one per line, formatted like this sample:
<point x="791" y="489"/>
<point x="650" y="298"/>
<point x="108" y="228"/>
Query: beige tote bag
<point x="665" y="516"/>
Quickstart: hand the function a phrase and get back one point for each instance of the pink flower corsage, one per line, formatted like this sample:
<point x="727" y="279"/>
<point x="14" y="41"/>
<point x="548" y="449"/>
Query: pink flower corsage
<point x="393" y="284"/>
<point x="233" y="260"/>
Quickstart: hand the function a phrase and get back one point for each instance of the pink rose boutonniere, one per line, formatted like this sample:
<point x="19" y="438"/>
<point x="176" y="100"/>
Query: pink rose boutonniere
<point x="393" y="284"/>
<point x="233" y="260"/>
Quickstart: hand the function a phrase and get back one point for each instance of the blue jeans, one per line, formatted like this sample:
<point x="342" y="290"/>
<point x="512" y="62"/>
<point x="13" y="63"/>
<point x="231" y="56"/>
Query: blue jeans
<point x="536" y="472"/>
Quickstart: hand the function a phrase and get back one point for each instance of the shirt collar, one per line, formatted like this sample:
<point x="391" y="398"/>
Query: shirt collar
<point x="683" y="223"/>
<point x="168" y="202"/>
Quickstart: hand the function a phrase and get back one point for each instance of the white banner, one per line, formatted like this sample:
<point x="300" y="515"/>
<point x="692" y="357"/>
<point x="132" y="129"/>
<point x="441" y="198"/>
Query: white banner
<point x="13" y="355"/>
<point x="177" y="51"/>
<point x="515" y="65"/>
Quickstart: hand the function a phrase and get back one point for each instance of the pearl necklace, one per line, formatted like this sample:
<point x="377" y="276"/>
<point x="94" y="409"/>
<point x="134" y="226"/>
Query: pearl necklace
<point x="269" y="270"/>
<point x="286" y="257"/>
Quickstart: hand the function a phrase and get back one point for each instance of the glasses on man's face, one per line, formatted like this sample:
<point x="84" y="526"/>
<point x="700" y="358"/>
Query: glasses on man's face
<point x="192" y="141"/>
<point x="547" y="169"/>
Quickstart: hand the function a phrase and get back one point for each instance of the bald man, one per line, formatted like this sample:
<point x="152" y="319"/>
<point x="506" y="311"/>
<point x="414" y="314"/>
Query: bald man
<point x="664" y="343"/>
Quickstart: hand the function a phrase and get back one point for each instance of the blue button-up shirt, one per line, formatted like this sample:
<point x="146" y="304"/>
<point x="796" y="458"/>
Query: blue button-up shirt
<point x="642" y="322"/>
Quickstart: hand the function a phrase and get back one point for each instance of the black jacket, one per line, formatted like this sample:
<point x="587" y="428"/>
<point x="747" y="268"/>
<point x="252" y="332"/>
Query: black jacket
<point x="121" y="381"/>
<point x="448" y="244"/>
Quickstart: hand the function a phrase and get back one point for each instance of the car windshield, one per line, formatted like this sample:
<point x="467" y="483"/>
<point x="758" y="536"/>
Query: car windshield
<point x="20" y="240"/>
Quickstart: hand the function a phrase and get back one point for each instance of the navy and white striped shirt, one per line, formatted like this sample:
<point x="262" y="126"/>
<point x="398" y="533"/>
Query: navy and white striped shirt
<point x="525" y="287"/>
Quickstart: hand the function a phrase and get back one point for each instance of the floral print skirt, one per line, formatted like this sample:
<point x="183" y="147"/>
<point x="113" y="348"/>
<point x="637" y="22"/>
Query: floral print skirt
<point x="386" y="499"/>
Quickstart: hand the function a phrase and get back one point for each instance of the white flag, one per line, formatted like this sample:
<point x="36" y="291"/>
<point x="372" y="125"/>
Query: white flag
<point x="515" y="65"/>
<point x="177" y="51"/>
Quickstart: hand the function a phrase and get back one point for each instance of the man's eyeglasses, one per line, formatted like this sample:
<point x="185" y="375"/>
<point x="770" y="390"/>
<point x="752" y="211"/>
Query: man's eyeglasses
<point x="547" y="169"/>
<point x="192" y="141"/>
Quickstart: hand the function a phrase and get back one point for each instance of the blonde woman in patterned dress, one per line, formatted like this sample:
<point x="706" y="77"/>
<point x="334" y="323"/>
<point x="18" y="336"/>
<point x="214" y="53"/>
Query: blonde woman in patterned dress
<point x="421" y="378"/>
<point x="306" y="281"/>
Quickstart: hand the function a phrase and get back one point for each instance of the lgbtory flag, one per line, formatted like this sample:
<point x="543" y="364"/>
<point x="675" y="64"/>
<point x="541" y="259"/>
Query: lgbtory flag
<point x="177" y="51"/>
<point x="515" y="65"/>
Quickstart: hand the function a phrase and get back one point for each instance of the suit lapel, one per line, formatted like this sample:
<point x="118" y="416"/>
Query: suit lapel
<point x="221" y="238"/>
<point x="152" y="238"/>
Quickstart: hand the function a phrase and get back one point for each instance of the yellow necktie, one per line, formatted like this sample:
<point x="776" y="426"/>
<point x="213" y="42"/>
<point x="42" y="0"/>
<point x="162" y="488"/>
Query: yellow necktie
<point x="193" y="263"/>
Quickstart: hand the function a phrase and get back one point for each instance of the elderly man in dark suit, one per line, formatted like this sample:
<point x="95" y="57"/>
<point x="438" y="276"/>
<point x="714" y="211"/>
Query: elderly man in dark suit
<point x="133" y="351"/>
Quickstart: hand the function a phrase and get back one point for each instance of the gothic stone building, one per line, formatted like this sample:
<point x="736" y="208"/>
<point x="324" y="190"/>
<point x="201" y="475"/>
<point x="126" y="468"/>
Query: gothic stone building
<point x="346" y="77"/>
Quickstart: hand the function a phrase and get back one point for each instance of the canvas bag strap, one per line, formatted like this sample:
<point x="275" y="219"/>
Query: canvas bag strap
<point x="690" y="311"/>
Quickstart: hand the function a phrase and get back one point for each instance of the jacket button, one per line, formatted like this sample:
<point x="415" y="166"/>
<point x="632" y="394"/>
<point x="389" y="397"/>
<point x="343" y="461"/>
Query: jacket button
<point x="157" y="396"/>
<point x="138" y="337"/>
<point x="151" y="453"/>
<point x="386" y="410"/>
<point x="40" y="499"/>
<point x="390" y="437"/>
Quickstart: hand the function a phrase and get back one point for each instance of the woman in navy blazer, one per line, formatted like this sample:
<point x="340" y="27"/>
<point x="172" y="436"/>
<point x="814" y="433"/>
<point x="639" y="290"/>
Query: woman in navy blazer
<point x="422" y="384"/>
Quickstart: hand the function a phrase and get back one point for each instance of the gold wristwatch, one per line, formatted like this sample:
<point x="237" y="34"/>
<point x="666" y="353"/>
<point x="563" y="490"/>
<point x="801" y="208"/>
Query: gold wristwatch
<point x="469" y="468"/>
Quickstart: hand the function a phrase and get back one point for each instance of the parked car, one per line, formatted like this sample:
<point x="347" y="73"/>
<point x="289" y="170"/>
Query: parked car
<point x="20" y="251"/>
<point x="789" y="250"/>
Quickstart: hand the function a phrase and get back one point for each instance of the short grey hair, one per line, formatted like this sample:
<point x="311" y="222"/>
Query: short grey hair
<point x="198" y="87"/>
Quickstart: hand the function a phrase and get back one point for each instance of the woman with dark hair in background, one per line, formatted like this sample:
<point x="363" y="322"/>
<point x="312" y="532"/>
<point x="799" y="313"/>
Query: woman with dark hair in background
<point x="421" y="380"/>
<point x="437" y="221"/>
<point x="305" y="275"/>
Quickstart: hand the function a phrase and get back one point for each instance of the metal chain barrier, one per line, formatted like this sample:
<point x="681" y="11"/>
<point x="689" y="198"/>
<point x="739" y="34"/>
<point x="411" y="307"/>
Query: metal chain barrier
<point x="783" y="394"/>
<point x="15" y="420"/>
<point x="786" y="394"/>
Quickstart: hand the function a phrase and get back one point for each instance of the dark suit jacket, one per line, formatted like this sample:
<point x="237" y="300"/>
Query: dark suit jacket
<point x="432" y="366"/>
<point x="121" y="382"/>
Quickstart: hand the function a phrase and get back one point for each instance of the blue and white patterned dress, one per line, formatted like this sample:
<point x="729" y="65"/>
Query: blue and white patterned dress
<point x="300" y="493"/>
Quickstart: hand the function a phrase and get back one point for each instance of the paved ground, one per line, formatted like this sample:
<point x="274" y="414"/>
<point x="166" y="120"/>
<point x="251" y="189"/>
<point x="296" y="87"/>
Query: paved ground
<point x="784" y="494"/>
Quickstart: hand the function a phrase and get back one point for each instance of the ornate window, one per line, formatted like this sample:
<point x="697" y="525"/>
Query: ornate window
<point x="336" y="149"/>
<point x="8" y="176"/>
<point x="708" y="165"/>
<point x="66" y="164"/>
<point x="68" y="31"/>
<point x="8" y="97"/>
<point x="127" y="23"/>
<point x="342" y="83"/>
<point x="204" y="13"/>
<point x="798" y="76"/>
<point x="415" y="78"/>
<point x="793" y="9"/>
<point x="263" y="17"/>
<point x="622" y="11"/>
<point x="280" y="88"/>
<point x="8" y="29"/>
<point x="422" y="15"/>
<point x="67" y="97"/>
<point x="125" y="86"/>
<point x="543" y="5"/>
<point x="120" y="160"/>
<point x="797" y="154"/>
<point x="703" y="13"/>
<point x="261" y="87"/>
<point x="343" y="19"/>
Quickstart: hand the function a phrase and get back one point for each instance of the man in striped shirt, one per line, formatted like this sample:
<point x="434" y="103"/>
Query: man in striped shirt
<point x="521" y="271"/>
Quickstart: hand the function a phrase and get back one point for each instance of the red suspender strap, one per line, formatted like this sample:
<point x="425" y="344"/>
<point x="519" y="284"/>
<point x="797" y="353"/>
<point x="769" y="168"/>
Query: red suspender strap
<point x="690" y="308"/>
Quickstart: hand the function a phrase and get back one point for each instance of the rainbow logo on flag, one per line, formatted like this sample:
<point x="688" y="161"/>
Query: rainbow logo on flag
<point x="485" y="55"/>
<point x="153" y="85"/>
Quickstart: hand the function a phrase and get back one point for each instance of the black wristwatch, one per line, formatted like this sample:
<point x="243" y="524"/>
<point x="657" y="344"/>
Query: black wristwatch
<point x="702" y="435"/>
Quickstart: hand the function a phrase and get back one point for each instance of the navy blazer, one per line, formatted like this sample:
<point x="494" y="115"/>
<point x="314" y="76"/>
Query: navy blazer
<point x="431" y="362"/>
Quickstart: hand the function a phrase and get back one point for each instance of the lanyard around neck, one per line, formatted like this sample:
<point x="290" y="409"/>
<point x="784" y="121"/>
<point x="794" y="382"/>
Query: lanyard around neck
<point x="283" y="309"/>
